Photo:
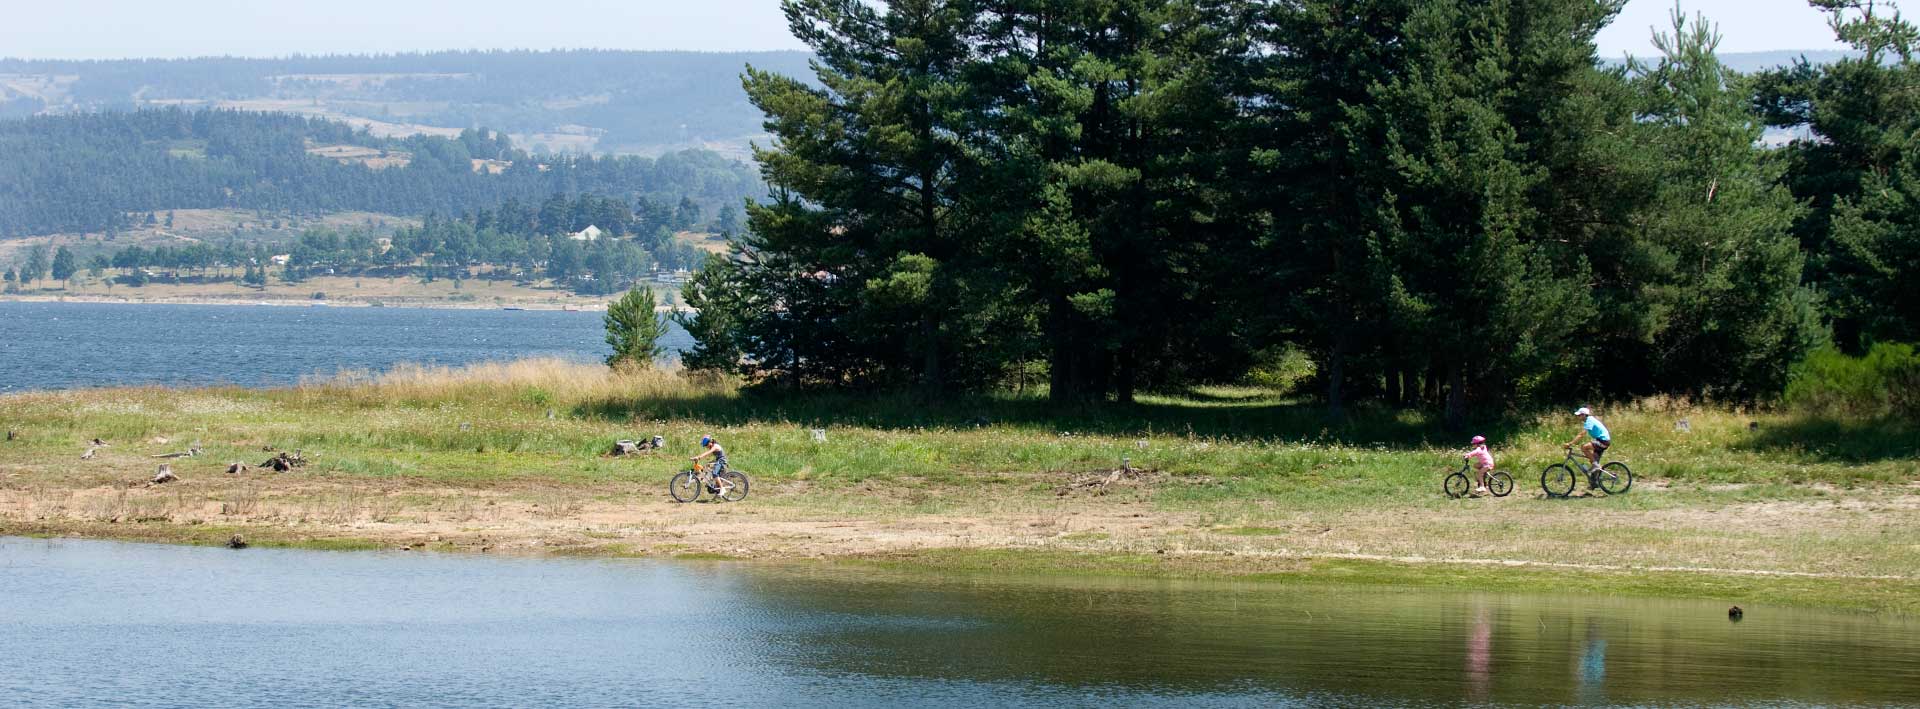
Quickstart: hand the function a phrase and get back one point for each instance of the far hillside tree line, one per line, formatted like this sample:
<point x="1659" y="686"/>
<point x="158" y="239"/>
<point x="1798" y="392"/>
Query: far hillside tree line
<point x="523" y="243"/>
<point x="102" y="171"/>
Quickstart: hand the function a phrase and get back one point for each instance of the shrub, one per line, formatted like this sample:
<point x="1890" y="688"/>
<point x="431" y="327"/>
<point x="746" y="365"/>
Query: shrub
<point x="1281" y="369"/>
<point x="1884" y="382"/>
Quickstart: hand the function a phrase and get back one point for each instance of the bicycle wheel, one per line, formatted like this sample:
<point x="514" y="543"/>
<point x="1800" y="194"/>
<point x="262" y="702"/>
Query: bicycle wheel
<point x="1615" y="478"/>
<point x="739" y="482"/>
<point x="684" y="487"/>
<point x="1500" y="483"/>
<point x="1455" y="485"/>
<point x="1557" y="480"/>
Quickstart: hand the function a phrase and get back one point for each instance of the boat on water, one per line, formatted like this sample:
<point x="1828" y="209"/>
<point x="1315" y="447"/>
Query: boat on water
<point x="512" y="308"/>
<point x="570" y="308"/>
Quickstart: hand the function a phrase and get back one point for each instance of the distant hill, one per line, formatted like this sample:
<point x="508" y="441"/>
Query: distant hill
<point x="586" y="101"/>
<point x="93" y="172"/>
<point x="1750" y="62"/>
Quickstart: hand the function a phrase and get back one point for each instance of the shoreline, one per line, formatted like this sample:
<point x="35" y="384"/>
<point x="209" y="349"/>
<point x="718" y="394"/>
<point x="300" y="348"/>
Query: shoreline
<point x="426" y="304"/>
<point x="1751" y="589"/>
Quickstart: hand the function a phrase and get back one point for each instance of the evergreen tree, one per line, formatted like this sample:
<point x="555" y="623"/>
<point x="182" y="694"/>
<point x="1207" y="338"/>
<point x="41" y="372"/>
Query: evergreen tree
<point x="634" y="329"/>
<point x="1720" y="303"/>
<point x="37" y="264"/>
<point x="712" y="318"/>
<point x="1863" y="112"/>
<point x="64" y="265"/>
<point x="867" y="245"/>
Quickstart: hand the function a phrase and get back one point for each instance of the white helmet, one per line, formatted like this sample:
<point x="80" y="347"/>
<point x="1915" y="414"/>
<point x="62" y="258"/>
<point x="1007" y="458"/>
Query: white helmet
<point x="1583" y="412"/>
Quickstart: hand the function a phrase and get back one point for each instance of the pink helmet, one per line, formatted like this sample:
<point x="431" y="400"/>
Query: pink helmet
<point x="1477" y="440"/>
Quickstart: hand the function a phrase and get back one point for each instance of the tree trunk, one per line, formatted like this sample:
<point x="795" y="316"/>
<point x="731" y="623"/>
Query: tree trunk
<point x="1124" y="378"/>
<point x="1060" y="370"/>
<point x="1456" y="416"/>
<point x="931" y="376"/>
<point x="1336" y="375"/>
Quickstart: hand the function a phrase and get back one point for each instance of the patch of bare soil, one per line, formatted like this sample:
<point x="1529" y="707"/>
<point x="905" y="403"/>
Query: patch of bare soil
<point x="1086" y="513"/>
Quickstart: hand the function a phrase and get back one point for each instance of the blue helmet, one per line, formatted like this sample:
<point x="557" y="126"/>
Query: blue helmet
<point x="706" y="440"/>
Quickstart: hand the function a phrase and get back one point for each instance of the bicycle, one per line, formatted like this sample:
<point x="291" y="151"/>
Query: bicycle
<point x="1458" y="484"/>
<point x="1558" y="479"/>
<point x="729" y="485"/>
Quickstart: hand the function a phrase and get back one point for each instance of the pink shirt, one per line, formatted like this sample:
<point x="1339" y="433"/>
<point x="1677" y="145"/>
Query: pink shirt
<point x="1481" y="457"/>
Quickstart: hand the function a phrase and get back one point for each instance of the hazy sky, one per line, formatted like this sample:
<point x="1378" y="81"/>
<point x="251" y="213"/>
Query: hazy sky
<point x="98" y="29"/>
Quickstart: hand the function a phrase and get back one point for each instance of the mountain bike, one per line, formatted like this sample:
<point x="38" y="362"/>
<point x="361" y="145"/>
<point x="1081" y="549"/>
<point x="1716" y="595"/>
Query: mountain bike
<point x="1558" y="479"/>
<point x="1459" y="483"/>
<point x="730" y="485"/>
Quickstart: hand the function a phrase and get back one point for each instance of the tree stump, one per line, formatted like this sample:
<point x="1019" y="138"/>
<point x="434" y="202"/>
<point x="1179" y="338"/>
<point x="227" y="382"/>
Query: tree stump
<point x="165" y="475"/>
<point x="235" y="542"/>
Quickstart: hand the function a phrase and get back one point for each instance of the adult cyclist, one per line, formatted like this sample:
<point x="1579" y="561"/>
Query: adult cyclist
<point x="710" y="447"/>
<point x="1599" y="440"/>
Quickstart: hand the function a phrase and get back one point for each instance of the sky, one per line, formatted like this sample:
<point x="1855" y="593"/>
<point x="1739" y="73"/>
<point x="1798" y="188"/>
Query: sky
<point x="116" y="29"/>
<point x="1745" y="26"/>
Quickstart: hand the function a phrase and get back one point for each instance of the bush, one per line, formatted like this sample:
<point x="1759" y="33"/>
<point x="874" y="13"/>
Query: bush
<point x="1282" y="369"/>
<point x="1885" y="382"/>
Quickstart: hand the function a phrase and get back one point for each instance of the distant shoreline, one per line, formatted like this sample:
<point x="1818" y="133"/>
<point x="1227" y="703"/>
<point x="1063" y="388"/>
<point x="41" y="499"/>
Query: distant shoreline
<point x="299" y="303"/>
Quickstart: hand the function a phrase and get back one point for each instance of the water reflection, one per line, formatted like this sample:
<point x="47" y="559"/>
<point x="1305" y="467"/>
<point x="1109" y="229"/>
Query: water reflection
<point x="1593" y="665"/>
<point x="209" y="627"/>
<point x="1480" y="654"/>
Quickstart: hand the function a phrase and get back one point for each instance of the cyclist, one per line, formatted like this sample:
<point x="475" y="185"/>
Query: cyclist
<point x="1599" y="439"/>
<point x="710" y="447"/>
<point x="1482" y="461"/>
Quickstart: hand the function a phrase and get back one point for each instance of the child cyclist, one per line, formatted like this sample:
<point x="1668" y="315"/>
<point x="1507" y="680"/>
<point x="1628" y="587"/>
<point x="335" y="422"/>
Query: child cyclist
<point x="1482" y="461"/>
<point x="710" y="447"/>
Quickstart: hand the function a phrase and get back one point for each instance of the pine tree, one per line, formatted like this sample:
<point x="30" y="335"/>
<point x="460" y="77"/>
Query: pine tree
<point x="869" y="237"/>
<point x="714" y="312"/>
<point x="1720" y="304"/>
<point x="634" y="329"/>
<point x="37" y="264"/>
<point x="1863" y="112"/>
<point x="64" y="265"/>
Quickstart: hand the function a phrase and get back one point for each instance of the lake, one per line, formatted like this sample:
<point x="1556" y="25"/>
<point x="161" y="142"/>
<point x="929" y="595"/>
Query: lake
<point x="92" y="623"/>
<point x="68" y="345"/>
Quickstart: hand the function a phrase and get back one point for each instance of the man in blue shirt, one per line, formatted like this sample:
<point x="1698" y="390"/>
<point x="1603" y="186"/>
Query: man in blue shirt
<point x="1599" y="440"/>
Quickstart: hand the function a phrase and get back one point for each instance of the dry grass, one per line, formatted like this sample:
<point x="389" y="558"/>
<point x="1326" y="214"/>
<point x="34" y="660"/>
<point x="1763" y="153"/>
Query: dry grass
<point x="554" y="383"/>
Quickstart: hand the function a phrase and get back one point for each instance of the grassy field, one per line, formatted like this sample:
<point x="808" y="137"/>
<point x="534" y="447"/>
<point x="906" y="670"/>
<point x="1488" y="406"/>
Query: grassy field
<point x="510" y="458"/>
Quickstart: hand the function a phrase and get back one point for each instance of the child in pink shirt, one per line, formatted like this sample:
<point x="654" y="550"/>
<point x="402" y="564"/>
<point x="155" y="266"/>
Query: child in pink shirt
<point x="1482" y="460"/>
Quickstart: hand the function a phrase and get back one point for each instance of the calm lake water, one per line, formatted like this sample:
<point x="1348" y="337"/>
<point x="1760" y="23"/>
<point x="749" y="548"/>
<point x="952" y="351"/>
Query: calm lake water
<point x="67" y="345"/>
<point x="89" y="623"/>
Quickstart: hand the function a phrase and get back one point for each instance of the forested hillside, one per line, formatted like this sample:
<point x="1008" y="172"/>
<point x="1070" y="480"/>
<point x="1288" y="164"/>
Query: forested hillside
<point x="586" y="101"/>
<point x="100" y="171"/>
<point x="1427" y="203"/>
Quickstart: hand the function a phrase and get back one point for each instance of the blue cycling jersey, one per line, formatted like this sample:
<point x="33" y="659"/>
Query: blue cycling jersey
<point x="1596" y="430"/>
